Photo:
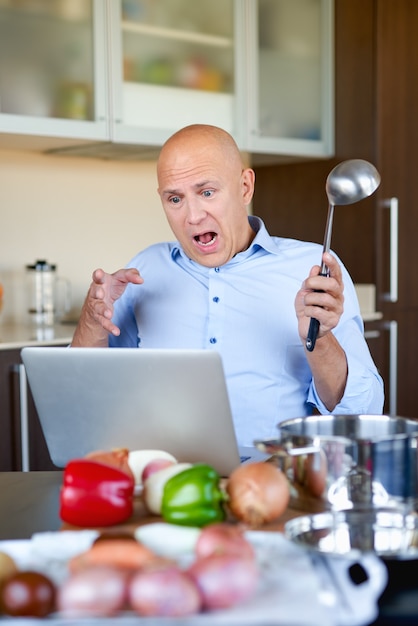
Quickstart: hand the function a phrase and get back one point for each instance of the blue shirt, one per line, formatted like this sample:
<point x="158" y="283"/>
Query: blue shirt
<point x="245" y="310"/>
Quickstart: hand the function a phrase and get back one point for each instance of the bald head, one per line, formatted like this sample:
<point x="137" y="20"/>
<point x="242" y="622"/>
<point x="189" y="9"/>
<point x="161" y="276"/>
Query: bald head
<point x="197" y="140"/>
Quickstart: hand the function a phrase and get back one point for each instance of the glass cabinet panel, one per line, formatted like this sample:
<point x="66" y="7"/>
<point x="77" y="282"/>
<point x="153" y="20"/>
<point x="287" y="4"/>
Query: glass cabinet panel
<point x="47" y="58"/>
<point x="179" y="43"/>
<point x="290" y="68"/>
<point x="174" y="64"/>
<point x="292" y="97"/>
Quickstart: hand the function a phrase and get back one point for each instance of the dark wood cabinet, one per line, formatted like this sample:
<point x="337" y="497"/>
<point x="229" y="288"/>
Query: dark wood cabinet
<point x="376" y="100"/>
<point x="11" y="458"/>
<point x="10" y="443"/>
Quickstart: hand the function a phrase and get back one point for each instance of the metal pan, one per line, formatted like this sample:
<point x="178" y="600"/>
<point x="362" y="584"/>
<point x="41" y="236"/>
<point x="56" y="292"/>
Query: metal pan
<point x="391" y="533"/>
<point x="340" y="462"/>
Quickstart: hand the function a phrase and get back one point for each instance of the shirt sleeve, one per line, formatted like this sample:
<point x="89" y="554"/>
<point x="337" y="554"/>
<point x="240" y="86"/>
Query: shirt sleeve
<point x="364" y="391"/>
<point x="364" y="394"/>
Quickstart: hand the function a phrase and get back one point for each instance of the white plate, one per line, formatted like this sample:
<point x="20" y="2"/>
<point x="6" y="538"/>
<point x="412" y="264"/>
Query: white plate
<point x="291" y="592"/>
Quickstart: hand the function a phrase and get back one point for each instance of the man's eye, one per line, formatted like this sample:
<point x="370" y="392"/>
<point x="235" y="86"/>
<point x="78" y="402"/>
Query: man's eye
<point x="207" y="193"/>
<point x="175" y="200"/>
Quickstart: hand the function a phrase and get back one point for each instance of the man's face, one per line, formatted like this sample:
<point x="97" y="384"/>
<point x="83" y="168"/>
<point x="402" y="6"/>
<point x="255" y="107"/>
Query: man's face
<point x="204" y="195"/>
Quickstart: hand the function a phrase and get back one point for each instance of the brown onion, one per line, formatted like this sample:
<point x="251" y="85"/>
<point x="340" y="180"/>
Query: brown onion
<point x="118" y="457"/>
<point x="258" y="493"/>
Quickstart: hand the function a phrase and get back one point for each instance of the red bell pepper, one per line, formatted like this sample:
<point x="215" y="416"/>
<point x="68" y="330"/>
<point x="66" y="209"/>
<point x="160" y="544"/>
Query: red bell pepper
<point x="95" y="494"/>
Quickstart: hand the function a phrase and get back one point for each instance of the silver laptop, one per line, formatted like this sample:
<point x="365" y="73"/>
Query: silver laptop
<point x="102" y="398"/>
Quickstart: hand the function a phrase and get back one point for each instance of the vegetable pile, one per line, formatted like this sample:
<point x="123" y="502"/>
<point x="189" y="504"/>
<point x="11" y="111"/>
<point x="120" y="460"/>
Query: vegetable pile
<point x="121" y="572"/>
<point x="98" y="491"/>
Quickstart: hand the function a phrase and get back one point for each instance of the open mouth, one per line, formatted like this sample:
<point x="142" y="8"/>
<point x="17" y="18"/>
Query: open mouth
<point x="205" y="239"/>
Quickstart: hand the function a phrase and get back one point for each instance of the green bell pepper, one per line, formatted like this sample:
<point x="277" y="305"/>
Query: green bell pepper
<point x="193" y="497"/>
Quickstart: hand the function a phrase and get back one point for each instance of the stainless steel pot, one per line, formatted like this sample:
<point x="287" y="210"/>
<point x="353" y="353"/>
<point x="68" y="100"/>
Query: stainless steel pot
<point x="344" y="461"/>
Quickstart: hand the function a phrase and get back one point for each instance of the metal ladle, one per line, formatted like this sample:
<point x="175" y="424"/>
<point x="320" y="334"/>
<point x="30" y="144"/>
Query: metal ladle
<point x="349" y="182"/>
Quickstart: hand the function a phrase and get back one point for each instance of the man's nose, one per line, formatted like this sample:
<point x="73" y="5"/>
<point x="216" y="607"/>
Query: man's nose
<point x="195" y="213"/>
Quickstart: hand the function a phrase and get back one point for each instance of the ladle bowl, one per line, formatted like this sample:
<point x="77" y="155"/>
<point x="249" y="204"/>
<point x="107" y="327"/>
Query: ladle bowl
<point x="347" y="183"/>
<point x="351" y="181"/>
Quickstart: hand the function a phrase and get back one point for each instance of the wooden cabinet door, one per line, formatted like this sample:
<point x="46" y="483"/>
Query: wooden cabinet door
<point x="397" y="159"/>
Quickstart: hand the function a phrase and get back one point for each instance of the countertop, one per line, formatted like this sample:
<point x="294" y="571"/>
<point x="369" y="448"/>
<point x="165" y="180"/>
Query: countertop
<point x="20" y="335"/>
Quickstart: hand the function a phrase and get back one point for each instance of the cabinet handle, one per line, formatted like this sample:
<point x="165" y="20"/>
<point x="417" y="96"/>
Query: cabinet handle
<point x="392" y="205"/>
<point x="24" y="422"/>
<point x="392" y="327"/>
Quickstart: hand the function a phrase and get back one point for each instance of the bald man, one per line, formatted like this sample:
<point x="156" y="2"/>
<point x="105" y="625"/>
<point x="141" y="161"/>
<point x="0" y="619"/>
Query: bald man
<point x="225" y="284"/>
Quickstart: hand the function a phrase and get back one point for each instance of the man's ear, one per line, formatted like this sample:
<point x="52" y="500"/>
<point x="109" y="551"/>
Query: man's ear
<point x="248" y="181"/>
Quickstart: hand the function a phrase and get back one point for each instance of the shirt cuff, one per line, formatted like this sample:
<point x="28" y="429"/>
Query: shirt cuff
<point x="363" y="394"/>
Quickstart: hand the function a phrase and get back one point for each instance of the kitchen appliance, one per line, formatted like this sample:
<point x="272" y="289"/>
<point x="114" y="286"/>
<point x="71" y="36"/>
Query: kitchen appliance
<point x="341" y="462"/>
<point x="49" y="295"/>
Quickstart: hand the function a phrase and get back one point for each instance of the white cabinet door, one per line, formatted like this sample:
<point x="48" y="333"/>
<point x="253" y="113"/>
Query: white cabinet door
<point x="53" y="68"/>
<point x="173" y="64"/>
<point x="289" y="100"/>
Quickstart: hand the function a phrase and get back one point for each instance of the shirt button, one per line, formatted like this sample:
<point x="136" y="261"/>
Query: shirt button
<point x="216" y="299"/>
<point x="212" y="340"/>
<point x="216" y="269"/>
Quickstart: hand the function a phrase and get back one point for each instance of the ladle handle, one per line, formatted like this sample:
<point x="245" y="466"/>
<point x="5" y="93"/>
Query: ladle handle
<point x="312" y="334"/>
<point x="314" y="324"/>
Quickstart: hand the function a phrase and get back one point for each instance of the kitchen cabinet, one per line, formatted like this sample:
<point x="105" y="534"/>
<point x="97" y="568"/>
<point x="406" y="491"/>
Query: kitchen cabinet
<point x="10" y="435"/>
<point x="17" y="436"/>
<point x="173" y="63"/>
<point x="376" y="57"/>
<point x="22" y="443"/>
<point x="289" y="78"/>
<point x="115" y="78"/>
<point x="52" y="73"/>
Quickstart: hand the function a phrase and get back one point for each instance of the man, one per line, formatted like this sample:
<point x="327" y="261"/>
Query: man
<point x="227" y="285"/>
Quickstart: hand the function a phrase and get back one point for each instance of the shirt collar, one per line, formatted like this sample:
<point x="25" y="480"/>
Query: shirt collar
<point x="262" y="240"/>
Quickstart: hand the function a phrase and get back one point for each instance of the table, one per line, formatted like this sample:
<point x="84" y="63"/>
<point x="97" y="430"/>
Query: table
<point x="30" y="503"/>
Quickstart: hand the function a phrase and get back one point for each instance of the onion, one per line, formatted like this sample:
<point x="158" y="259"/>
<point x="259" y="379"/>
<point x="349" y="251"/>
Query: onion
<point x="258" y="493"/>
<point x="8" y="566"/>
<point x="164" y="591"/>
<point x="155" y="466"/>
<point x="154" y="486"/>
<point x="93" y="592"/>
<point x="118" y="457"/>
<point x="224" y="580"/>
<point x="223" y="538"/>
<point x="138" y="459"/>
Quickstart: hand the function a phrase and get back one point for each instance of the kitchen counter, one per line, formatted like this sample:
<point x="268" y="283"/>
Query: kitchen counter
<point x="20" y="335"/>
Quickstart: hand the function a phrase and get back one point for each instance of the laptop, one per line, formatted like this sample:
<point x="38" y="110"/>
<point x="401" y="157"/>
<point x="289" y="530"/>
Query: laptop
<point x="167" y="399"/>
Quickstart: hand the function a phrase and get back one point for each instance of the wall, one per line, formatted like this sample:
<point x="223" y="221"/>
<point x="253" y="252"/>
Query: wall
<point x="76" y="212"/>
